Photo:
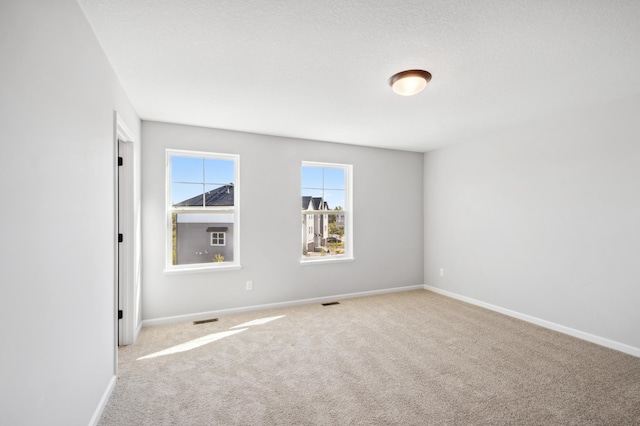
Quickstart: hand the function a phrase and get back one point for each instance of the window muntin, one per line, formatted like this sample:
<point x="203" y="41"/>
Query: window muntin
<point x="202" y="210"/>
<point x="326" y="211"/>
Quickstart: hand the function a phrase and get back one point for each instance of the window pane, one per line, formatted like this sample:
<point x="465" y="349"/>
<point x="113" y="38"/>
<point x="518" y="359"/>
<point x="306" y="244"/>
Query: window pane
<point x="218" y="171"/>
<point x="335" y="199"/>
<point x="194" y="234"/>
<point x="220" y="195"/>
<point x="323" y="235"/>
<point x="333" y="178"/>
<point x="186" y="169"/>
<point x="186" y="194"/>
<point x="311" y="199"/>
<point x="311" y="177"/>
<point x="312" y="192"/>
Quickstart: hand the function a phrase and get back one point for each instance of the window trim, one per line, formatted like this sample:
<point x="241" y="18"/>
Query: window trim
<point x="347" y="212"/>
<point x="169" y="210"/>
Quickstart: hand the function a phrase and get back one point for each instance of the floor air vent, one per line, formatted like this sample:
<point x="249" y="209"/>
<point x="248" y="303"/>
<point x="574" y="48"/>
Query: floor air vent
<point x="204" y="321"/>
<point x="330" y="303"/>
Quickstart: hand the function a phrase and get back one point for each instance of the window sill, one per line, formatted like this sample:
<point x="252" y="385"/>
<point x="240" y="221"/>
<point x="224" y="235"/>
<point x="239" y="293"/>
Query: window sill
<point x="199" y="269"/>
<point x="324" y="261"/>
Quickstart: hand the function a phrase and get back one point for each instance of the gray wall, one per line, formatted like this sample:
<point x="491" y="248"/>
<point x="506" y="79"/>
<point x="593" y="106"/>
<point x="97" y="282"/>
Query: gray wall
<point x="58" y="96"/>
<point x="543" y="219"/>
<point x="384" y="182"/>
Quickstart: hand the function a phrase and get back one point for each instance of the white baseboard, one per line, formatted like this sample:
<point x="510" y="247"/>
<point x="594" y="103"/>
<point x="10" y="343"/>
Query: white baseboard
<point x="324" y="299"/>
<point x="103" y="401"/>
<point x="612" y="344"/>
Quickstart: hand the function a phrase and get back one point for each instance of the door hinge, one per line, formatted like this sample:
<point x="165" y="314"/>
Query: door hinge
<point x="120" y="238"/>
<point x="119" y="313"/>
<point x="119" y="161"/>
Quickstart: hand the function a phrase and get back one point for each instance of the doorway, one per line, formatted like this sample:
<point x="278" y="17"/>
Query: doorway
<point x="127" y="256"/>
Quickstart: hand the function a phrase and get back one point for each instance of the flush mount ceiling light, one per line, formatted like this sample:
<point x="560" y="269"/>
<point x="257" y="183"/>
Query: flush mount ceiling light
<point x="410" y="82"/>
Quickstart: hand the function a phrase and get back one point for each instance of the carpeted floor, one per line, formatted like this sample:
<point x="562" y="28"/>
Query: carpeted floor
<point x="410" y="358"/>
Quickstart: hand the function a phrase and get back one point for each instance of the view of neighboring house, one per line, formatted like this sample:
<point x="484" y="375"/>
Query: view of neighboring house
<point x="206" y="236"/>
<point x="200" y="237"/>
<point x="340" y="221"/>
<point x="315" y="227"/>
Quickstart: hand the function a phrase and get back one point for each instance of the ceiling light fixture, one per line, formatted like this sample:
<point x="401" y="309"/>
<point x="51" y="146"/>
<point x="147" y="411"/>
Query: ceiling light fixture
<point x="410" y="82"/>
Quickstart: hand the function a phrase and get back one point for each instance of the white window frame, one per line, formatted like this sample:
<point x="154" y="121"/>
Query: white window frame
<point x="220" y="236"/>
<point x="347" y="211"/>
<point x="169" y="210"/>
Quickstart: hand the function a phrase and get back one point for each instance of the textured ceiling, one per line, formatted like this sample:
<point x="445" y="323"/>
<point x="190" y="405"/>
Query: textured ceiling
<point x="319" y="69"/>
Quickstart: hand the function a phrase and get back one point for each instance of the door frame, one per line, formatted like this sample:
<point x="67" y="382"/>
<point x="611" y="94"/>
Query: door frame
<point x="126" y="286"/>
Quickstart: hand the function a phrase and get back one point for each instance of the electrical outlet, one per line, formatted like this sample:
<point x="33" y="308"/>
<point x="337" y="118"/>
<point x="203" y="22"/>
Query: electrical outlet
<point x="442" y="272"/>
<point x="249" y="285"/>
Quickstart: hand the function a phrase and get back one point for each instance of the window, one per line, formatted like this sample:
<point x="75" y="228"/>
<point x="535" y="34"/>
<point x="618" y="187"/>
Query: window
<point x="217" y="238"/>
<point x="327" y="213"/>
<point x="202" y="211"/>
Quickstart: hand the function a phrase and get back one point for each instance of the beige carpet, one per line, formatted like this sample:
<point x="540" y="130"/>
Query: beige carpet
<point x="411" y="358"/>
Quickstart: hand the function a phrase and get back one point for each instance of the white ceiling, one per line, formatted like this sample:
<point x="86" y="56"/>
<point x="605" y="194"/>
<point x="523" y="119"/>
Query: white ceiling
<point x="318" y="69"/>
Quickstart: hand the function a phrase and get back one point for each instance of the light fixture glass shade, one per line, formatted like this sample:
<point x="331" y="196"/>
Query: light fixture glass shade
<point x="407" y="83"/>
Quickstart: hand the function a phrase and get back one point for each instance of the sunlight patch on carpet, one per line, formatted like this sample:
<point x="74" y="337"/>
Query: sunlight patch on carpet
<point x="196" y="343"/>
<point x="258" y="321"/>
